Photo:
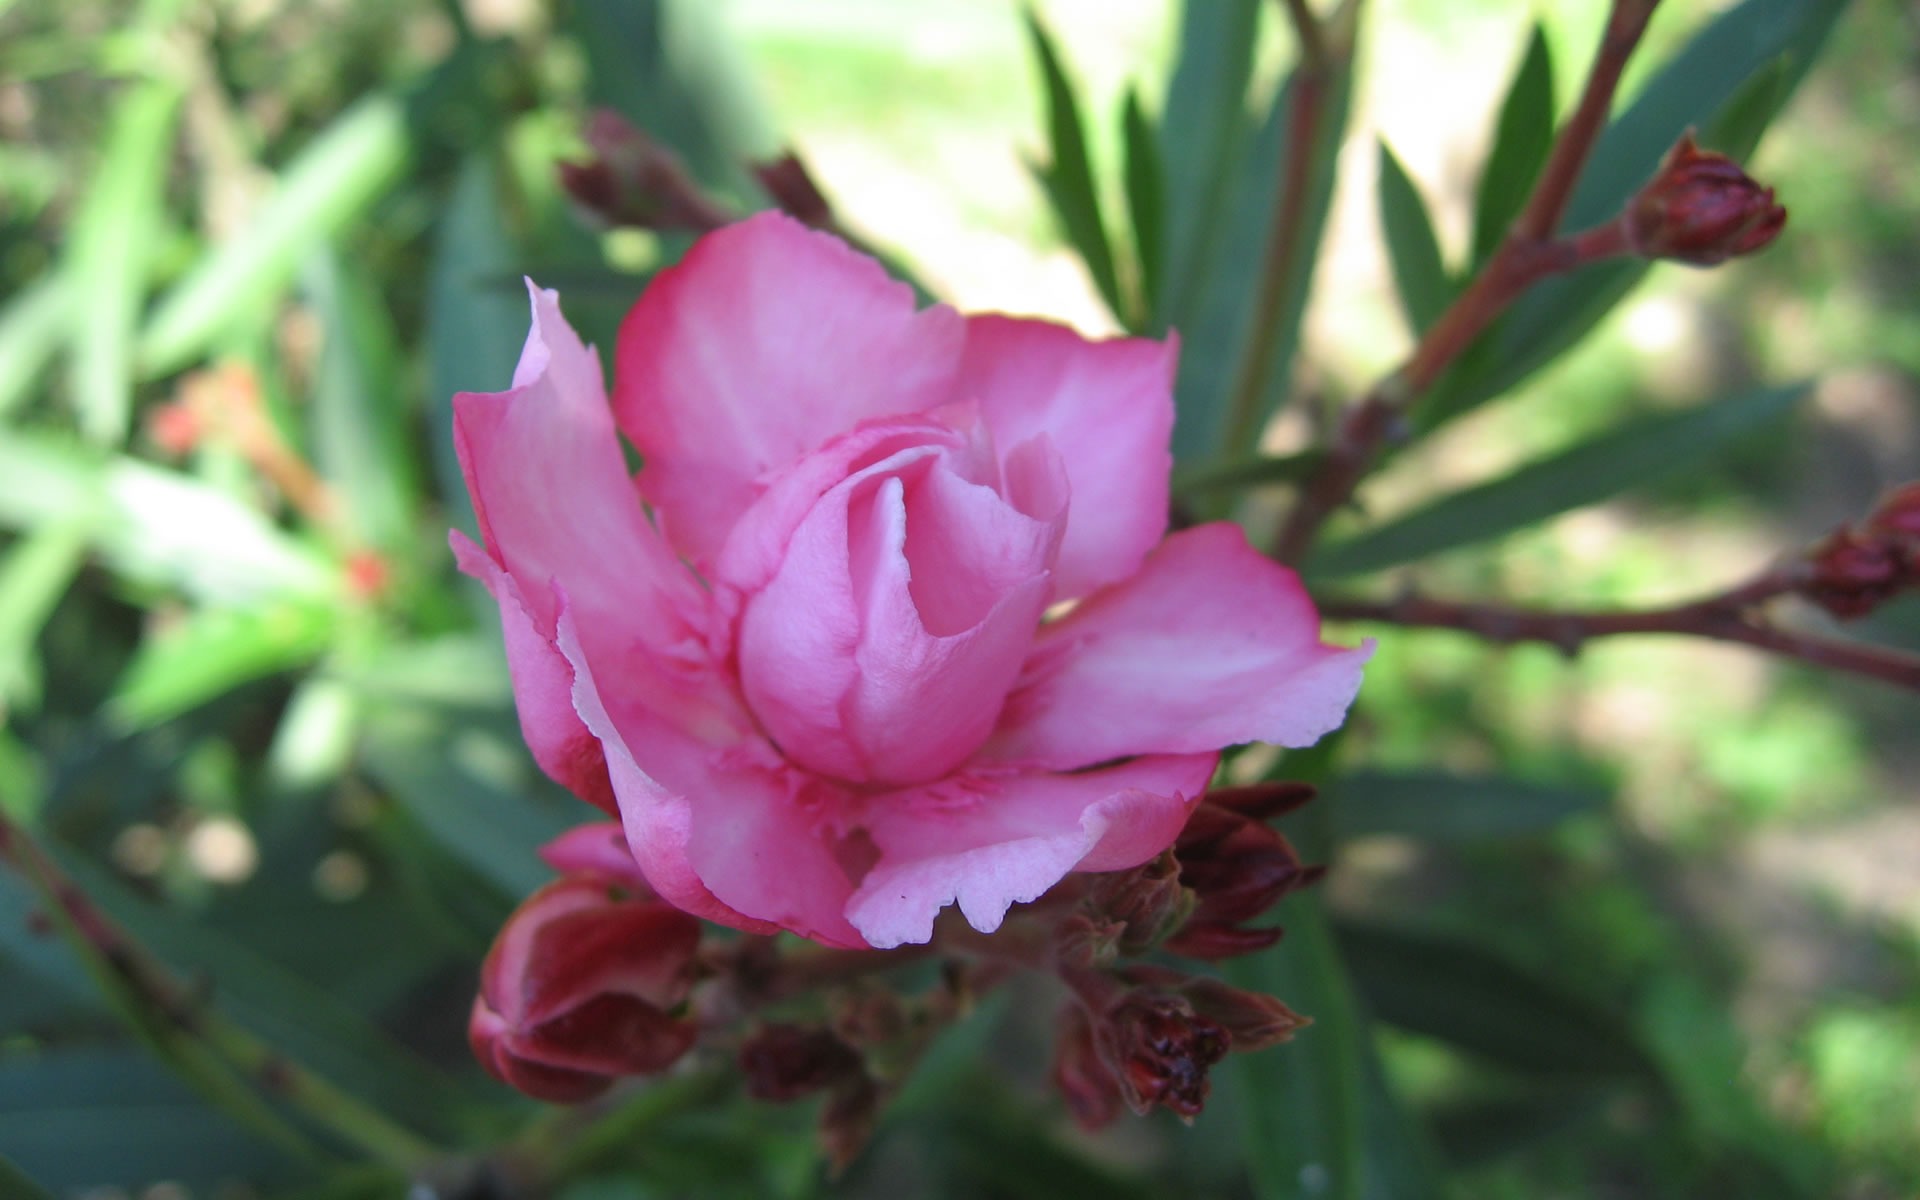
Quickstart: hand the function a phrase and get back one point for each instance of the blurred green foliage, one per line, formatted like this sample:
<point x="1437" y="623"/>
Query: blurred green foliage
<point x="1634" y="924"/>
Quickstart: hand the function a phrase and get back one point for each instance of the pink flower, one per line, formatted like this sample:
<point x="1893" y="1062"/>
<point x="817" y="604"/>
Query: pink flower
<point x="814" y="681"/>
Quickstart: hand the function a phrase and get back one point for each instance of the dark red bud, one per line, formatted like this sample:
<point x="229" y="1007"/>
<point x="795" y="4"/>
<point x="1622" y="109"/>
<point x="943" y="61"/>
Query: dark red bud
<point x="1252" y="1020"/>
<point x="786" y="1062"/>
<point x="1700" y="208"/>
<point x="1160" y="1050"/>
<point x="1898" y="517"/>
<point x="579" y="988"/>
<point x="788" y="183"/>
<point x="1856" y="572"/>
<point x="633" y="180"/>
<point x="1237" y="867"/>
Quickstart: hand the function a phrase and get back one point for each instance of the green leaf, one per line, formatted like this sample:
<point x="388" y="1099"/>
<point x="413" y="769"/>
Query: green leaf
<point x="83" y="1118"/>
<point x="1302" y="1114"/>
<point x="1708" y="84"/>
<point x="1203" y="137"/>
<point x="1233" y="474"/>
<point x="1146" y="204"/>
<point x="1219" y="328"/>
<point x="333" y="181"/>
<point x="1419" y="273"/>
<point x="15" y="1184"/>
<point x="110" y="243"/>
<point x="1433" y="806"/>
<point x="476" y="316"/>
<point x="214" y="651"/>
<point x="31" y="327"/>
<point x="670" y="67"/>
<point x="1522" y="140"/>
<point x="1636" y="455"/>
<point x="1068" y="178"/>
<point x="1458" y="991"/>
<point x="465" y="793"/>
<point x="158" y="526"/>
<point x="995" y="1149"/>
<point x="34" y="573"/>
<point x="359" y="420"/>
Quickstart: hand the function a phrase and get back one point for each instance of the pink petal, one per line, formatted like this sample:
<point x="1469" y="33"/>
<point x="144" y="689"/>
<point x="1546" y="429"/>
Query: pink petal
<point x="881" y="649"/>
<point x="712" y="831"/>
<point x="596" y="849"/>
<point x="991" y="840"/>
<point x="1210" y="644"/>
<point x="542" y="687"/>
<point x="765" y="341"/>
<point x="544" y="466"/>
<point x="1108" y="406"/>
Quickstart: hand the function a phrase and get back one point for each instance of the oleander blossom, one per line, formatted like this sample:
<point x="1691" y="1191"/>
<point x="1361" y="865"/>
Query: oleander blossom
<point x="805" y="655"/>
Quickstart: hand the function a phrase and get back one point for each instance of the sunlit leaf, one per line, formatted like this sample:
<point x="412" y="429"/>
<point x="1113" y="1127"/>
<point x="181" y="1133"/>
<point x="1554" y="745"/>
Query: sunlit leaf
<point x="111" y="240"/>
<point x="216" y="650"/>
<point x="334" y="180"/>
<point x="31" y="326"/>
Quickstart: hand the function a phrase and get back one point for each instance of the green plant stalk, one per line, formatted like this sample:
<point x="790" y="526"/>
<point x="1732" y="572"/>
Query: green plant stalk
<point x="219" y="1054"/>
<point x="1326" y="55"/>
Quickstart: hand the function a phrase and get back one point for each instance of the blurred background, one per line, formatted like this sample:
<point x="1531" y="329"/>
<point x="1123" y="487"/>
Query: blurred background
<point x="1646" y="923"/>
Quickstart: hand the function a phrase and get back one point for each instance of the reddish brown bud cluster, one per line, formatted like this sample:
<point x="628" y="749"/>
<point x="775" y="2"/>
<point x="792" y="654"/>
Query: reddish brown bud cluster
<point x="579" y="989"/>
<point x="1700" y="208"/>
<point x="1237" y="867"/>
<point x="633" y="180"/>
<point x="1856" y="569"/>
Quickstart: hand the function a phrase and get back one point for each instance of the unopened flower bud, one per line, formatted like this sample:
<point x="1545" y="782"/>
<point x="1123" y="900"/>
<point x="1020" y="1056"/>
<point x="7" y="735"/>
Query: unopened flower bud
<point x="1855" y="572"/>
<point x="1148" y="903"/>
<point x="1897" y="517"/>
<point x="786" y="1062"/>
<point x="1254" y="1021"/>
<point x="634" y="180"/>
<point x="1700" y="208"/>
<point x="790" y="185"/>
<point x="1159" y="1050"/>
<point x="579" y="988"/>
<point x="1237" y="867"/>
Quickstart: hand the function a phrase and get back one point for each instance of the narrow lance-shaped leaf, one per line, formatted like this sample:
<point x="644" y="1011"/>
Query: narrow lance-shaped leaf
<point x="110" y="243"/>
<point x="1521" y="142"/>
<point x="1710" y="86"/>
<point x="1203" y="136"/>
<point x="31" y="326"/>
<point x="1146" y="204"/>
<point x="1419" y="273"/>
<point x="214" y="651"/>
<point x="1638" y="454"/>
<point x="1068" y="176"/>
<point x="331" y="182"/>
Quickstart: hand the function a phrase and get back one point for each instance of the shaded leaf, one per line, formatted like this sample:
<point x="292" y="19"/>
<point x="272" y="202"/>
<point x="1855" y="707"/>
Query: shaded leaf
<point x="1522" y="139"/>
<point x="31" y="326"/>
<point x="1433" y="806"/>
<point x="34" y="573"/>
<point x="1068" y="176"/>
<point x="332" y="181"/>
<point x="1419" y="273"/>
<point x="1460" y="992"/>
<point x="1146" y="204"/>
<point x="1635" y="455"/>
<point x="1231" y="474"/>
<point x="1203" y="137"/>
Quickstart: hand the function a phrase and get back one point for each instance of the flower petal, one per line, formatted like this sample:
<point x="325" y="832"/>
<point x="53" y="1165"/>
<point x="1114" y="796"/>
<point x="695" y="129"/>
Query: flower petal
<point x="542" y="687"/>
<point x="765" y="341"/>
<point x="596" y="849"/>
<point x="1210" y="644"/>
<point x="549" y="484"/>
<point x="714" y="833"/>
<point x="991" y="840"/>
<point x="1108" y="406"/>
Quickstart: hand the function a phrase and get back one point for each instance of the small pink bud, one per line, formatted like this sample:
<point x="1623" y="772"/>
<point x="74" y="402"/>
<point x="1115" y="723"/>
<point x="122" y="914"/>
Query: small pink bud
<point x="1855" y="572"/>
<point x="1701" y="208"/>
<point x="578" y="989"/>
<point x="1897" y="516"/>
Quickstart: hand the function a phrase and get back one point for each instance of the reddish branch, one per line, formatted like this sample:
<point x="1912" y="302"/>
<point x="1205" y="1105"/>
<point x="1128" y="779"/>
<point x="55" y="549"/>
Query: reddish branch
<point x="1731" y="616"/>
<point x="1530" y="253"/>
